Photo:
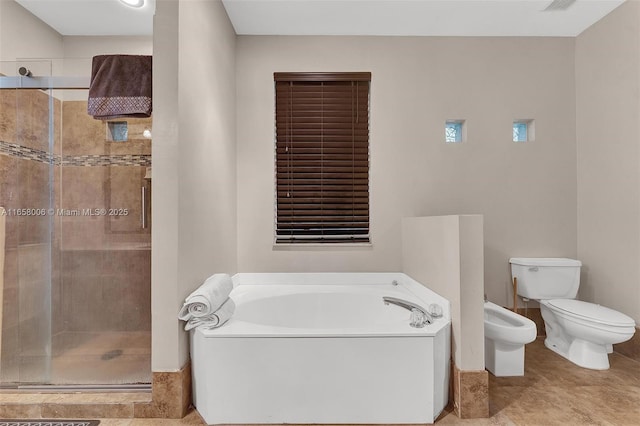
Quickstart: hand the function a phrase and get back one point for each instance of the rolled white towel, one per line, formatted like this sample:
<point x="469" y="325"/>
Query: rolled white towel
<point x="214" y="320"/>
<point x="207" y="298"/>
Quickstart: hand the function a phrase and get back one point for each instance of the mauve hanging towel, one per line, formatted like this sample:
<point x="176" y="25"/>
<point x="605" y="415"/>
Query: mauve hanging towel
<point x="120" y="86"/>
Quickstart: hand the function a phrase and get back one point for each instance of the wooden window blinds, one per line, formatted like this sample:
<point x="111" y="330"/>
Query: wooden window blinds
<point x="322" y="157"/>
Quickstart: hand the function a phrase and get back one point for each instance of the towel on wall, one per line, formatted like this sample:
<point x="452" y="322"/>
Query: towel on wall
<point x="120" y="86"/>
<point x="207" y="298"/>
<point x="215" y="320"/>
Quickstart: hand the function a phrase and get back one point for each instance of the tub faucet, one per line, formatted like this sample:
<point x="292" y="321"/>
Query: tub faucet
<point x="419" y="315"/>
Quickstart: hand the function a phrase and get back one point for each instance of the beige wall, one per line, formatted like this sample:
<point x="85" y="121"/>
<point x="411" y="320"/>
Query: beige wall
<point x="78" y="52"/>
<point x="86" y="47"/>
<point x="445" y="253"/>
<point x="608" y="153"/>
<point x="168" y="343"/>
<point x="526" y="192"/>
<point x="194" y="186"/>
<point x="22" y="35"/>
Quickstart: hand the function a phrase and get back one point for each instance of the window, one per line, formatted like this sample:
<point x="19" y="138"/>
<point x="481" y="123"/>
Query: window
<point x="523" y="130"/>
<point x="117" y="131"/>
<point x="453" y="131"/>
<point x="322" y="157"/>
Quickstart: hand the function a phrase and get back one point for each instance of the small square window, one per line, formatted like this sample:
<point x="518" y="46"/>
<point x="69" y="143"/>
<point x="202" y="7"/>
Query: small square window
<point x="454" y="131"/>
<point x="523" y="131"/>
<point x="117" y="131"/>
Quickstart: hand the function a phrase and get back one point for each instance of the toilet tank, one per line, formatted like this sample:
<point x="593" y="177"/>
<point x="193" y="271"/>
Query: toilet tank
<point x="546" y="278"/>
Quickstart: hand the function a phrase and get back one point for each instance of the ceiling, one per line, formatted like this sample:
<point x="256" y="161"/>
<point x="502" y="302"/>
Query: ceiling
<point x="341" y="17"/>
<point x="93" y="17"/>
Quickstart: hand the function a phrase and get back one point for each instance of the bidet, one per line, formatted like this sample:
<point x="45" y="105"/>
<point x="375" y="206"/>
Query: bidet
<point x="505" y="334"/>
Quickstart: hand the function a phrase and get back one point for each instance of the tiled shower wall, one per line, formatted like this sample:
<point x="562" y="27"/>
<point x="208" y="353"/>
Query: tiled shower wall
<point x="106" y="258"/>
<point x="100" y="264"/>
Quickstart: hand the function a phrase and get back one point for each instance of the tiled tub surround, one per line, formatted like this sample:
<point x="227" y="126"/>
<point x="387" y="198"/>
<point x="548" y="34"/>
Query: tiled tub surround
<point x="99" y="265"/>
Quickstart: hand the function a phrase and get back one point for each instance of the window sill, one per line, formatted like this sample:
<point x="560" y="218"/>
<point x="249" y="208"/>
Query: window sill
<point x="322" y="246"/>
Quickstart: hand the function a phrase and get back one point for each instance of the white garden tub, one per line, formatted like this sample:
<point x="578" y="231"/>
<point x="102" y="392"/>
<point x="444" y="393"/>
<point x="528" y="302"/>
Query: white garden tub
<point x="323" y="348"/>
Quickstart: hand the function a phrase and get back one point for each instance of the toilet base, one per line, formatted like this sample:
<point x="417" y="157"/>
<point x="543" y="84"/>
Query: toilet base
<point x="503" y="359"/>
<point x="580" y="352"/>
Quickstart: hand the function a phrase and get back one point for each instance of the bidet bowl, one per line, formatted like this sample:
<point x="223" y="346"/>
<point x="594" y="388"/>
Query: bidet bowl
<point x="503" y="325"/>
<point x="505" y="334"/>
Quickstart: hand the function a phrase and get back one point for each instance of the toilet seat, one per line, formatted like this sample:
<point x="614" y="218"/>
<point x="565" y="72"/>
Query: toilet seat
<point x="592" y="312"/>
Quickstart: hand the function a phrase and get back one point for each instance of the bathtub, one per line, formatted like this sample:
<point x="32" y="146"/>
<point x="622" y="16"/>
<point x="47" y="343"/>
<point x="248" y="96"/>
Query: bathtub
<point x="323" y="348"/>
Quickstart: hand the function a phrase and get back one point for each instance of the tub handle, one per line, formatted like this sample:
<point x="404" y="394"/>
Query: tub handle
<point x="418" y="318"/>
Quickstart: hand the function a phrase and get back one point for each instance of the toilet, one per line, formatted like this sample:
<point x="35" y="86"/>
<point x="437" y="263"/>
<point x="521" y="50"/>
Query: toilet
<point x="582" y="332"/>
<point x="505" y="334"/>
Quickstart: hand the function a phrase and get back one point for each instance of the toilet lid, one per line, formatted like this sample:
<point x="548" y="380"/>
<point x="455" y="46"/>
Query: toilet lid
<point x="593" y="312"/>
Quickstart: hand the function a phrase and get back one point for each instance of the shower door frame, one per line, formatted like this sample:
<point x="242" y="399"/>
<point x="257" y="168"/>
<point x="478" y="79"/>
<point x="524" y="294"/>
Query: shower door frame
<point x="44" y="83"/>
<point x="50" y="83"/>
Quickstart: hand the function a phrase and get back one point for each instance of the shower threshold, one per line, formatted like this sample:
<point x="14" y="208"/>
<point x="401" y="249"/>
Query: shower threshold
<point x="66" y="402"/>
<point x="137" y="387"/>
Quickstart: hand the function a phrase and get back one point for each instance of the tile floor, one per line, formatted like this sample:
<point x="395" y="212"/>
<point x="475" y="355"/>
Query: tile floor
<point x="552" y="392"/>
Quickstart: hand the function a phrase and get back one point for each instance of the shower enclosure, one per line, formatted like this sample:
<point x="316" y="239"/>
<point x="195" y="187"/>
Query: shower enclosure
<point x="75" y="234"/>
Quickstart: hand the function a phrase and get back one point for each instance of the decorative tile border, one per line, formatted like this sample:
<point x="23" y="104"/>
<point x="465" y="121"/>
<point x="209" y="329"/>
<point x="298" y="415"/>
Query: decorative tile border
<point x="19" y="151"/>
<point x="25" y="153"/>
<point x="104" y="160"/>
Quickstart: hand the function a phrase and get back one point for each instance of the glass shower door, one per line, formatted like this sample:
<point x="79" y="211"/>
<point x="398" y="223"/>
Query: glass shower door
<point x="105" y="249"/>
<point x="76" y="240"/>
<point x="26" y="196"/>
